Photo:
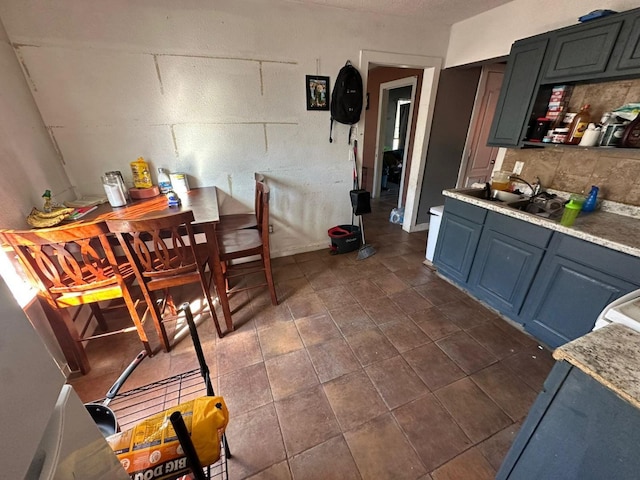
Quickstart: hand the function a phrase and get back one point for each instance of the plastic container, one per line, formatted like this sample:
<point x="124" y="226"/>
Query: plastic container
<point x="344" y="238"/>
<point x="164" y="181"/>
<point x="592" y="200"/>
<point x="591" y="136"/>
<point x="560" y="135"/>
<point x="500" y="180"/>
<point x="115" y="193"/>
<point x="141" y="174"/>
<point x="179" y="182"/>
<point x="571" y="210"/>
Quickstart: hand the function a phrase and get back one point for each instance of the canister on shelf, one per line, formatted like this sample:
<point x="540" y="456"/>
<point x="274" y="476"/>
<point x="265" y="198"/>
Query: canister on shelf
<point x="141" y="174"/>
<point x="560" y="135"/>
<point x="179" y="182"/>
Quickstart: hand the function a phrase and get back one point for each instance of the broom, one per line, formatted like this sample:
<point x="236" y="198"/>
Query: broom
<point x="365" y="250"/>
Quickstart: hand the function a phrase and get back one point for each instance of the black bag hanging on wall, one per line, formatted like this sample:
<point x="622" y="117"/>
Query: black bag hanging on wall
<point x="346" y="98"/>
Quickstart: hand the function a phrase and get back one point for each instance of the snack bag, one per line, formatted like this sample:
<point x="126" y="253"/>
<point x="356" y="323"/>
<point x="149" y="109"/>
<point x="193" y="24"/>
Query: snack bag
<point x="151" y="450"/>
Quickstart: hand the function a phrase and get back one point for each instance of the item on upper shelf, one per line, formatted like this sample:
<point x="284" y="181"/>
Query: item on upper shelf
<point x="629" y="111"/>
<point x="560" y="135"/>
<point x="540" y="129"/>
<point x="579" y="125"/>
<point x="141" y="174"/>
<point x="591" y="136"/>
<point x="164" y="182"/>
<point x="611" y="134"/>
<point x="590" y="203"/>
<point x="631" y="135"/>
<point x="557" y="106"/>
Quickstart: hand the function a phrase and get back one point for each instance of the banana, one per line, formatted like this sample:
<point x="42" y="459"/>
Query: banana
<point x="56" y="212"/>
<point x="39" y="219"/>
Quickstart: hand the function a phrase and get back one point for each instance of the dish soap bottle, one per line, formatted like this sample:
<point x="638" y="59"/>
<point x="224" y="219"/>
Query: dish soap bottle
<point x="579" y="125"/>
<point x="164" y="182"/>
<point x="589" y="204"/>
<point x="47" y="201"/>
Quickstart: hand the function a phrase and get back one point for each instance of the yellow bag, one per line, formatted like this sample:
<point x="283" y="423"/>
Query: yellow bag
<point x="151" y="450"/>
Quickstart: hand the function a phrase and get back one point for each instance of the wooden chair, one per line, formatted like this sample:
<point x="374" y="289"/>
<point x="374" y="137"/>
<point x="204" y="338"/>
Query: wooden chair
<point x="156" y="247"/>
<point x="73" y="266"/>
<point x="241" y="221"/>
<point x="234" y="245"/>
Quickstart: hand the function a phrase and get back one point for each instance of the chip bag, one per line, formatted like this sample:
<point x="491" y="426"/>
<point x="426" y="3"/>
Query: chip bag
<point x="151" y="450"/>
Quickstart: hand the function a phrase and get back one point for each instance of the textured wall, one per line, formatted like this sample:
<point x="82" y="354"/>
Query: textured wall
<point x="212" y="89"/>
<point x="615" y="170"/>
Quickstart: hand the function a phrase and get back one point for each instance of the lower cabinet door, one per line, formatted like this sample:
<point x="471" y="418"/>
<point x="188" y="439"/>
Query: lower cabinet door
<point x="456" y="247"/>
<point x="503" y="271"/>
<point x="566" y="299"/>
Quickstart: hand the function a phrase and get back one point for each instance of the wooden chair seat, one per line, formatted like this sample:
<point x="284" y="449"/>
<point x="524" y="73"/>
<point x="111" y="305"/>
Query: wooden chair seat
<point x="237" y="221"/>
<point x="239" y="242"/>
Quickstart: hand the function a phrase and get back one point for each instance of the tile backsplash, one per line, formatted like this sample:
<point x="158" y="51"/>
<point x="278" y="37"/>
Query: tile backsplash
<point x="572" y="169"/>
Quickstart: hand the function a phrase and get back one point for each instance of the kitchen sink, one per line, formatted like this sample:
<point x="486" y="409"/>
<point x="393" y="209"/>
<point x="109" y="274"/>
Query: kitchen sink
<point x="541" y="209"/>
<point x="495" y="196"/>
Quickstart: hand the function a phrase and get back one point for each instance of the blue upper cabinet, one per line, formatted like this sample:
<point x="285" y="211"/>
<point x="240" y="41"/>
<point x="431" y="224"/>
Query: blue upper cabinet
<point x="517" y="92"/>
<point x="581" y="52"/>
<point x="629" y="61"/>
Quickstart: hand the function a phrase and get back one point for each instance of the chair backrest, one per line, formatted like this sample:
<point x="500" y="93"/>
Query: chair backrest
<point x="64" y="260"/>
<point x="157" y="246"/>
<point x="262" y="208"/>
<point x="259" y="178"/>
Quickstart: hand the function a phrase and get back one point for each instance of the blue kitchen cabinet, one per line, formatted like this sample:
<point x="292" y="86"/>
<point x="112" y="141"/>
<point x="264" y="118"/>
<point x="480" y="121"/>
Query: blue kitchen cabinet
<point x="517" y="93"/>
<point x="582" y="51"/>
<point x="577" y="429"/>
<point x="576" y="280"/>
<point x="508" y="256"/>
<point x="458" y="238"/>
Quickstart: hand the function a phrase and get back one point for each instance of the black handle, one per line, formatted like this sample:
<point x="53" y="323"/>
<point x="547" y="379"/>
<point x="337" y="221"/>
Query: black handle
<point x="187" y="445"/>
<point x="204" y="369"/>
<point x="113" y="391"/>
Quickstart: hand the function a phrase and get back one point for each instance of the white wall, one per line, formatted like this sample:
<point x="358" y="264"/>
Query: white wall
<point x="214" y="89"/>
<point x="28" y="161"/>
<point x="490" y="34"/>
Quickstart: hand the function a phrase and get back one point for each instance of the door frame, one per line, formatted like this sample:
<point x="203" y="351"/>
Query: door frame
<point x="431" y="67"/>
<point x="383" y="102"/>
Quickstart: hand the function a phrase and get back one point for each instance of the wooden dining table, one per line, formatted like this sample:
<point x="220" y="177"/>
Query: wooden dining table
<point x="203" y="202"/>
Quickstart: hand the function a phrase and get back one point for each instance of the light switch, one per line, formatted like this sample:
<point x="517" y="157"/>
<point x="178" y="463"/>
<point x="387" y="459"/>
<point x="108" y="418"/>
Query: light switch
<point x="517" y="169"/>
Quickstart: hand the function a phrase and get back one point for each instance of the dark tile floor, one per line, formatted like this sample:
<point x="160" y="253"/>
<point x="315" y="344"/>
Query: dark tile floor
<point x="367" y="369"/>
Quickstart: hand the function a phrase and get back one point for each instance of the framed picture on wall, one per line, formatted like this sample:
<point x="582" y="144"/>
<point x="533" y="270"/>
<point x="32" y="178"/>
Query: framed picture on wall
<point x="317" y="92"/>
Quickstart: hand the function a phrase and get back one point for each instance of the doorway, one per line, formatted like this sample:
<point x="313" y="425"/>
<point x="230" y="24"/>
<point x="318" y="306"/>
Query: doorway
<point x="393" y="135"/>
<point x="430" y="67"/>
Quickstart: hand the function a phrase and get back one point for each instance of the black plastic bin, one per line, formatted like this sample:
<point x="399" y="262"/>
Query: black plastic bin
<point x="344" y="238"/>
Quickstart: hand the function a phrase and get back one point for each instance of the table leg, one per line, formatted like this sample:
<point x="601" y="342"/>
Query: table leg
<point x="67" y="336"/>
<point x="218" y="276"/>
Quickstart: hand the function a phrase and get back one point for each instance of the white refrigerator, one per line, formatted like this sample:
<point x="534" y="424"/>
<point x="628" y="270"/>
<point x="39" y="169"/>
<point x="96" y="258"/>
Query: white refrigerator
<point x="45" y="431"/>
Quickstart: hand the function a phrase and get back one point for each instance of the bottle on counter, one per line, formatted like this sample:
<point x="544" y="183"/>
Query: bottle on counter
<point x="579" y="125"/>
<point x="164" y="181"/>
<point x="589" y="204"/>
<point x="141" y="174"/>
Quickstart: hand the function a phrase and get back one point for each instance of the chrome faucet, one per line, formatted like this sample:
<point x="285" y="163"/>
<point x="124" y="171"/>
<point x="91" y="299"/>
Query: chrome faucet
<point x="535" y="190"/>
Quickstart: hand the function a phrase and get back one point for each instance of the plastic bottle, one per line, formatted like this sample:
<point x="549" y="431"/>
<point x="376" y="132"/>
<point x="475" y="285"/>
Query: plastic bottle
<point x="141" y="174"/>
<point x="579" y="125"/>
<point x="589" y="204"/>
<point x="164" y="182"/>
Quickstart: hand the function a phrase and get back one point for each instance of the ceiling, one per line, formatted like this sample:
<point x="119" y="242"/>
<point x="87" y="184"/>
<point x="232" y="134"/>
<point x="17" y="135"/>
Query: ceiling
<point x="440" y="11"/>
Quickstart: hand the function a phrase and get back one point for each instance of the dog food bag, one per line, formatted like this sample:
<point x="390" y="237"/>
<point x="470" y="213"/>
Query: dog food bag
<point x="151" y="450"/>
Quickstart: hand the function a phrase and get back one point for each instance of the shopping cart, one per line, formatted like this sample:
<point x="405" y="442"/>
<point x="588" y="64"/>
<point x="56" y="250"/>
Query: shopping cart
<point x="139" y="403"/>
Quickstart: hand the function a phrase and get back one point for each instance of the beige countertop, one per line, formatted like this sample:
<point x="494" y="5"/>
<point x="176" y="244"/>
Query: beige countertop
<point x="612" y="230"/>
<point x="611" y="355"/>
